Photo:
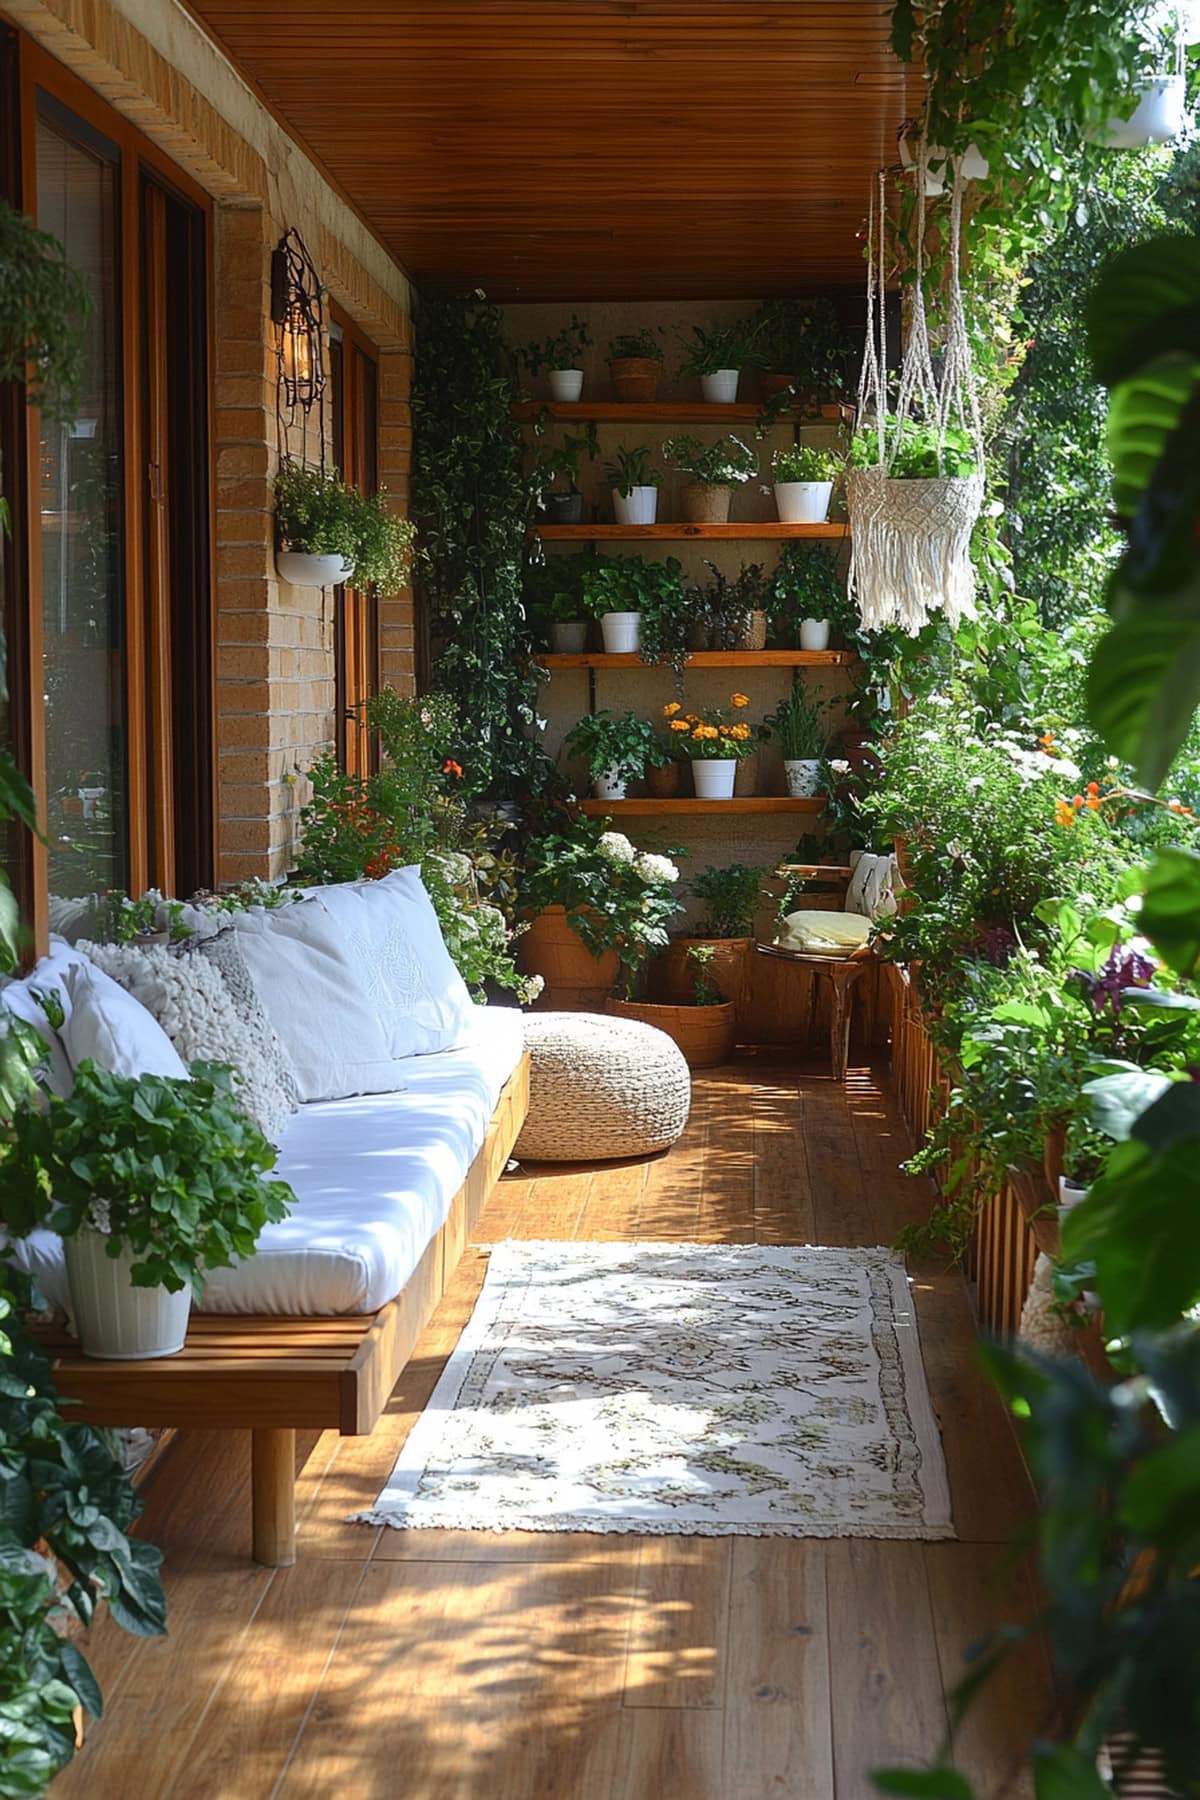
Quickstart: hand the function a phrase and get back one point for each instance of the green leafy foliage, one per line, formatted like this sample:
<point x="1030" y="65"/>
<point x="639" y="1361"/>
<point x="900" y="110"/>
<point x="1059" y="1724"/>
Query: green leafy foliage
<point x="713" y="347"/>
<point x="801" y="725"/>
<point x="642" y="344"/>
<point x="803" y="462"/>
<point x="916" y="452"/>
<point x="632" y="468"/>
<point x="807" y="585"/>
<point x="561" y="350"/>
<point x="718" y="464"/>
<point x="619" y="744"/>
<point x="731" y="896"/>
<point x="805" y="340"/>
<point x="317" y="513"/>
<point x="616" y="897"/>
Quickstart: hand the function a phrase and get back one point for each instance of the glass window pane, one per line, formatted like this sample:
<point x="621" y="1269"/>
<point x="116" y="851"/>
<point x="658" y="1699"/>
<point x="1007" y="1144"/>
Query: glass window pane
<point x="82" y="588"/>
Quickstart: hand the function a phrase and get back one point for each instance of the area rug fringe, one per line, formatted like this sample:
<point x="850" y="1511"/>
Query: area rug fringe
<point x="480" y="1521"/>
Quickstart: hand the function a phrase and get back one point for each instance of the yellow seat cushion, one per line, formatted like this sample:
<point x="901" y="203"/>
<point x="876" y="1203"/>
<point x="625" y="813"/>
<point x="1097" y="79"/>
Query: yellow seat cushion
<point x="824" y="933"/>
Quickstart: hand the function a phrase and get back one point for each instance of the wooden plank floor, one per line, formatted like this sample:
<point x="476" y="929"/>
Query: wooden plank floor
<point x="531" y="1666"/>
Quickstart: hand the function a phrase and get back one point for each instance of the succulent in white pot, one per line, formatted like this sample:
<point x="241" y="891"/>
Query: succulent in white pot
<point x="803" y="480"/>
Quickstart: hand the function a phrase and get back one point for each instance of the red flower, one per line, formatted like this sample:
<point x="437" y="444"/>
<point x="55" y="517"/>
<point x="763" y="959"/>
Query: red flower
<point x="450" y="767"/>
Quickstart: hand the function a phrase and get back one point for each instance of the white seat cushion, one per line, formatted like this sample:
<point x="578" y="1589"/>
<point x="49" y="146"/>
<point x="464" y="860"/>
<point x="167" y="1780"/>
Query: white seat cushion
<point x="373" y="1178"/>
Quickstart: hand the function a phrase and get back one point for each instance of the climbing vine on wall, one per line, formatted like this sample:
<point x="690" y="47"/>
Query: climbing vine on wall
<point x="471" y="502"/>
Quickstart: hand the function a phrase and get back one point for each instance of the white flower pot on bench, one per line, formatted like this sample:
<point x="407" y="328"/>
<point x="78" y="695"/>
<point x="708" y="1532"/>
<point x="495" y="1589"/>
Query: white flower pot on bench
<point x="115" y="1320"/>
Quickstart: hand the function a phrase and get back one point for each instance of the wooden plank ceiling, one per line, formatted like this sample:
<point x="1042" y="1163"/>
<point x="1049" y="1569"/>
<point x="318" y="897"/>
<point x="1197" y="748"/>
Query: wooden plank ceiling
<point x="590" y="149"/>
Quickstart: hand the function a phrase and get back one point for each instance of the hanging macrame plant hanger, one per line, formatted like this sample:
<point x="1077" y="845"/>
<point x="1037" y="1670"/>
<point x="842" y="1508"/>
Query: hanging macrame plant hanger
<point x="911" y="538"/>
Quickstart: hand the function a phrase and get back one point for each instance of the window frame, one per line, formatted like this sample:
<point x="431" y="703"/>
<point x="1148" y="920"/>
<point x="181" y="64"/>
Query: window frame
<point x="357" y="659"/>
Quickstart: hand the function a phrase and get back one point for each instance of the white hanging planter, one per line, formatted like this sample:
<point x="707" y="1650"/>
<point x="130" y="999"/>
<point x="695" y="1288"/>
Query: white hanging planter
<point x="115" y="1320"/>
<point x="610" y="785"/>
<point x="622" y="632"/>
<point x="1158" y="117"/>
<point x="803" y="502"/>
<point x="638" y="507"/>
<point x="974" y="165"/>
<point x="720" y="388"/>
<point x="814" y="634"/>
<point x="803" y="777"/>
<point x="910" y="547"/>
<point x="566" y="385"/>
<point x="302" y="569"/>
<point x="714" y="777"/>
<point x="569" y="637"/>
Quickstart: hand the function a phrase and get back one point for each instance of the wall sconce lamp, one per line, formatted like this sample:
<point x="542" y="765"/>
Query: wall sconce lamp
<point x="298" y="317"/>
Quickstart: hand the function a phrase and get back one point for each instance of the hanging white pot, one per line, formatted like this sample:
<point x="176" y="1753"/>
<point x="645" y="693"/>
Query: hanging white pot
<point x="610" y="785"/>
<point x="638" y="507"/>
<point x="803" y="777"/>
<point x="714" y="776"/>
<point x="1158" y="117"/>
<point x="803" y="502"/>
<point x="720" y="388"/>
<point x="814" y="634"/>
<point x="974" y="165"/>
<point x="622" y="632"/>
<point x="566" y="385"/>
<point x="569" y="638"/>
<point x="115" y="1320"/>
<point x="303" y="569"/>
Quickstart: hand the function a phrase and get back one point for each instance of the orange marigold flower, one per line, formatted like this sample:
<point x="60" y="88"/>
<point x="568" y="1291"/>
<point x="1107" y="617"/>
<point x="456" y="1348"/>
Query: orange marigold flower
<point x="450" y="767"/>
<point x="1064" y="812"/>
<point x="1093" y="787"/>
<point x="1093" y="803"/>
<point x="1047" y="742"/>
<point x="741" y="732"/>
<point x="679" y="725"/>
<point x="692" y="718"/>
<point x="741" y="699"/>
<point x="671" y="708"/>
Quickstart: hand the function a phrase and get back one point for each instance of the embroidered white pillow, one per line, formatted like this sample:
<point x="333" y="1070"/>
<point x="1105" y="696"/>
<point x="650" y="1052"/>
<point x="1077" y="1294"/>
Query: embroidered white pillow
<point x="306" y="980"/>
<point x="392" y="935"/>
<point x="113" y="1029"/>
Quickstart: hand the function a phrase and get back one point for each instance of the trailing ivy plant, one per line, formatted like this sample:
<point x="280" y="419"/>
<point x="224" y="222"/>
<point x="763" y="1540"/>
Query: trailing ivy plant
<point x="473" y="506"/>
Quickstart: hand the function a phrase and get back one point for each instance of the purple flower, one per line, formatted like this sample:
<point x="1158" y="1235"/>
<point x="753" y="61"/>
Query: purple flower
<point x="1124" y="969"/>
<point x="995" y="944"/>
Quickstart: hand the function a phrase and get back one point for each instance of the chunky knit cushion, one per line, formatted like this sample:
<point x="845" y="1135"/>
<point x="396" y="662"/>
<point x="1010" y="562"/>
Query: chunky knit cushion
<point x="601" y="1088"/>
<point x="208" y="1019"/>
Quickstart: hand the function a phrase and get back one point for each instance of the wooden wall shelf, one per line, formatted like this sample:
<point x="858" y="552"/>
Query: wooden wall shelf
<point x="703" y="659"/>
<point x="654" y="809"/>
<point x="670" y="411"/>
<point x="735" y="530"/>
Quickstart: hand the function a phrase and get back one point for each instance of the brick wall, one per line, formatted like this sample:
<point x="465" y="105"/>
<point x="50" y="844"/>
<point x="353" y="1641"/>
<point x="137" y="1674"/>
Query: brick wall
<point x="274" y="644"/>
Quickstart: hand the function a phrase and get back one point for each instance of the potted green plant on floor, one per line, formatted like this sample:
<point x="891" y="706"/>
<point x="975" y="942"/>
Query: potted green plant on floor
<point x="616" y="747"/>
<point x="149" y="1181"/>
<point x="622" y="591"/>
<point x="718" y="354"/>
<point x="635" y="360"/>
<point x="730" y="897"/>
<point x="808" y="604"/>
<point x="634" y="484"/>
<point x="560" y="355"/>
<point x="703" y="1021"/>
<point x="804" y="478"/>
<point x="802" y="728"/>
<point x="711" y="472"/>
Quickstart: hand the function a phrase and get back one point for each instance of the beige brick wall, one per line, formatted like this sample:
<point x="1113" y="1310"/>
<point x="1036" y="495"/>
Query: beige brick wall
<point x="274" y="644"/>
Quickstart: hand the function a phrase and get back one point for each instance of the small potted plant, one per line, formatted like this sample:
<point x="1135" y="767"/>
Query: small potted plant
<point x="711" y="470"/>
<point x="635" y="362"/>
<point x="634" y="485"/>
<point x="799" y="345"/>
<point x="731" y="898"/>
<point x="714" y="742"/>
<point x="150" y="1181"/>
<point x="334" y="535"/>
<point x="718" y="355"/>
<point x="617" y="747"/>
<point x="802" y="729"/>
<point x="703" y="1022"/>
<point x="732" y="613"/>
<point x="553" y="591"/>
<point x="560" y="355"/>
<point x="563" y="463"/>
<point x="663" y="763"/>
<point x="804" y="479"/>
<point x="808" y="602"/>
<point x="620" y="590"/>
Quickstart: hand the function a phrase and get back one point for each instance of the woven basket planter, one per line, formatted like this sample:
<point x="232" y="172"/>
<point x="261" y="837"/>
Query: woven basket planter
<point x="664" y="783"/>
<point x="911" y="547"/>
<point x="635" y="378"/>
<point x="576" y="981"/>
<point x="754" y="637"/>
<point x="705" y="1034"/>
<point x="703" y="504"/>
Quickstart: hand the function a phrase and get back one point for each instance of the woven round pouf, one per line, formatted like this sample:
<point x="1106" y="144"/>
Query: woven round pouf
<point x="600" y="1088"/>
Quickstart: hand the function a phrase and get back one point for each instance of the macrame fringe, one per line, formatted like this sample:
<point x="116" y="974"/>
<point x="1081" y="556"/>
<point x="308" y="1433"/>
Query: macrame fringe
<point x="910" y="550"/>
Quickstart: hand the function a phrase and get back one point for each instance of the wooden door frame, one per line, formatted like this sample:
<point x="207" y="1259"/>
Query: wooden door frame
<point x="354" y="749"/>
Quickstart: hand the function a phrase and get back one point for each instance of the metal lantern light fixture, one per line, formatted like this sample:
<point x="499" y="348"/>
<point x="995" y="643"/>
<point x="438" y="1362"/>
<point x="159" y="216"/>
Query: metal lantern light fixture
<point x="298" y="317"/>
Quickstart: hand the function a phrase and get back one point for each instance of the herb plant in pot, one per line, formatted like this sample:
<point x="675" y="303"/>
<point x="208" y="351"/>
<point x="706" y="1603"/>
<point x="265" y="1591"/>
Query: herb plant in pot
<point x="714" y="742"/>
<point x="634" y="487"/>
<point x="617" y="747"/>
<point x="635" y="362"/>
<point x="663" y="764"/>
<point x="316" y="522"/>
<point x="718" y="355"/>
<point x="563" y="463"/>
<point x="731" y="899"/>
<point x="703" y="1022"/>
<point x="803" y="733"/>
<point x="808" y="603"/>
<point x="150" y="1181"/>
<point x="621" y="590"/>
<point x="710" y="472"/>
<point x="800" y="345"/>
<point x="560" y="355"/>
<point x="804" y="479"/>
<point x="553" y="592"/>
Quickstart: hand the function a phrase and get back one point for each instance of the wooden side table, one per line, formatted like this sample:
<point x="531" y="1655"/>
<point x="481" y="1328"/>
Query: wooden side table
<point x="841" y="972"/>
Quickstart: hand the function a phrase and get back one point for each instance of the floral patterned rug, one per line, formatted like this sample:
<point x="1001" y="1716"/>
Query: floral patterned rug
<point x="713" y="1389"/>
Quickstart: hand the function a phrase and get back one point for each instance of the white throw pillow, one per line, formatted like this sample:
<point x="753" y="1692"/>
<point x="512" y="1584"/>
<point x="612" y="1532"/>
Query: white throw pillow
<point x="115" y="1030"/>
<point x="310" y="990"/>
<point x="391" y="933"/>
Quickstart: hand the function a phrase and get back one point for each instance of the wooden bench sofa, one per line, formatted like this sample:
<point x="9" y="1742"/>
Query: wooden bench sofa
<point x="272" y="1376"/>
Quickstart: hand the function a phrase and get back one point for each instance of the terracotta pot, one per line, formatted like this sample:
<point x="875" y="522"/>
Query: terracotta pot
<point x="1054" y="1152"/>
<point x="705" y="1034"/>
<point x="702" y="504"/>
<point x="576" y="981"/>
<point x="674" y="973"/>
<point x="635" y="378"/>
<point x="770" y="385"/>
<point x="754" y="637"/>
<point x="745" y="778"/>
<point x="663" y="784"/>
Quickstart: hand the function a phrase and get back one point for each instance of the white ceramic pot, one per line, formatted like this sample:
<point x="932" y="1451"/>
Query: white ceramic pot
<point x="569" y="639"/>
<point x="566" y="384"/>
<point x="814" y="634"/>
<point x="720" y="388"/>
<point x="1070" y="1194"/>
<point x="803" y="777"/>
<point x="638" y="507"/>
<point x="609" y="786"/>
<point x="115" y="1320"/>
<point x="803" y="502"/>
<point x="303" y="570"/>
<point x="622" y="632"/>
<point x="1158" y="117"/>
<point x="714" y="777"/>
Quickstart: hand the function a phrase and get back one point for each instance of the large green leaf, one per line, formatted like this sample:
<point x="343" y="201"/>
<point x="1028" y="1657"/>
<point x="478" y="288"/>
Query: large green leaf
<point x="1140" y="1226"/>
<point x="1142" y="415"/>
<point x="1147" y="302"/>
<point x="1143" y="682"/>
<point x="1119" y="1100"/>
<point x="1170" y="915"/>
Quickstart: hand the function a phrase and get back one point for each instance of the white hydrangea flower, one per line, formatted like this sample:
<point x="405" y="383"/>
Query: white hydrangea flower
<point x="649" y="867"/>
<point x="839" y="766"/>
<point x="616" y="846"/>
